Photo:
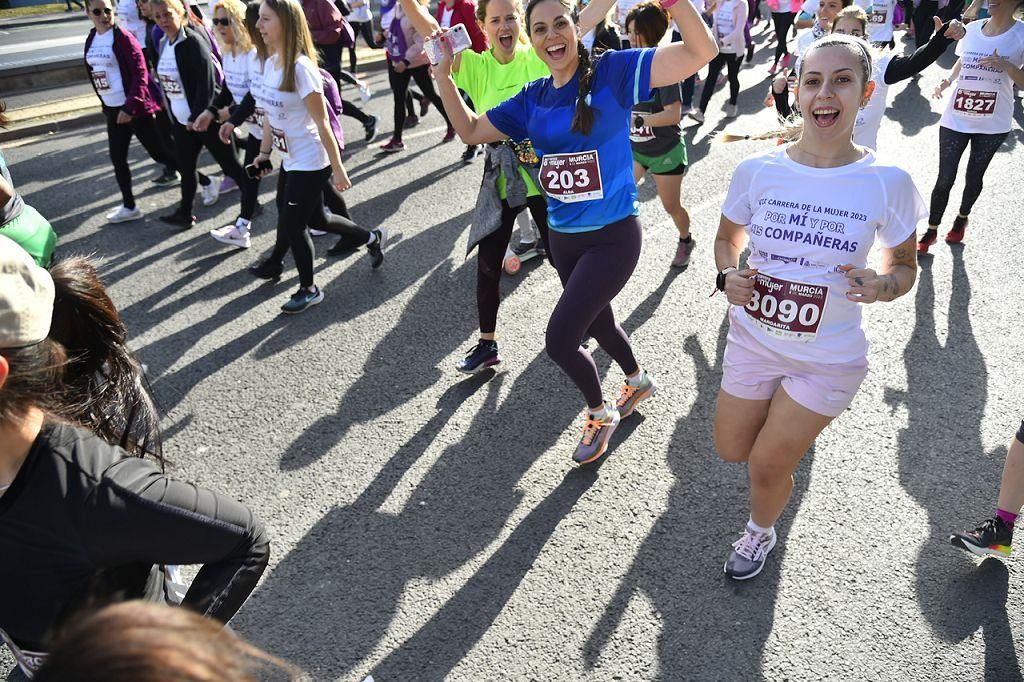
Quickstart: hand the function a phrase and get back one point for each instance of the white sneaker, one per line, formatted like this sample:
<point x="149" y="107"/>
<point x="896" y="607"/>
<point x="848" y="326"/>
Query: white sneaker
<point x="730" y="110"/>
<point x="697" y="115"/>
<point x="234" y="235"/>
<point x="124" y="215"/>
<point x="316" y="233"/>
<point x="212" y="191"/>
<point x="365" y="93"/>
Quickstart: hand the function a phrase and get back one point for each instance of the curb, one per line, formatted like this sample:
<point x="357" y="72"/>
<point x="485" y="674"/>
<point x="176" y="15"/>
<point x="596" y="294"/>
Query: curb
<point x="41" y="19"/>
<point x="71" y="120"/>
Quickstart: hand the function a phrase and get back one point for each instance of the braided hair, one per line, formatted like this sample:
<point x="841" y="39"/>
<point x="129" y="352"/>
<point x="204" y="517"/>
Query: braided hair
<point x="583" y="118"/>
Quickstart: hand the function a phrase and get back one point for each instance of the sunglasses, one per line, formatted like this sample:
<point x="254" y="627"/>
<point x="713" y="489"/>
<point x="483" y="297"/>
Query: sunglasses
<point x="221" y="22"/>
<point x="106" y="10"/>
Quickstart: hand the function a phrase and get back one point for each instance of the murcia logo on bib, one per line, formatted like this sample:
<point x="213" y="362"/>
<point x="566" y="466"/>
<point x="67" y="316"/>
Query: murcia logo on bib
<point x="787" y="310"/>
<point x="572" y="177"/>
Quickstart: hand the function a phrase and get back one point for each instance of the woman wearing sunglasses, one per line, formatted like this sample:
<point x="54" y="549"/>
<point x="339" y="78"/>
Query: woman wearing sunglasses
<point x="117" y="69"/>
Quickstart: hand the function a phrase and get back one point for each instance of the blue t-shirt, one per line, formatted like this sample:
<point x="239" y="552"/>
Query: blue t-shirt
<point x="544" y="113"/>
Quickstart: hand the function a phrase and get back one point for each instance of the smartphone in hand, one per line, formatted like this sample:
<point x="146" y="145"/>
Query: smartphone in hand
<point x="455" y="40"/>
<point x="254" y="171"/>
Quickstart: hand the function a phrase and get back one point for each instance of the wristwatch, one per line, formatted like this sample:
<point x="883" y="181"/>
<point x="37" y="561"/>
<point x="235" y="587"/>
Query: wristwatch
<point x="720" y="278"/>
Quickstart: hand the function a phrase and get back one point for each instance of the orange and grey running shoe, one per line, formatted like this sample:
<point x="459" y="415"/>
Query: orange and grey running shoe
<point x="596" y="434"/>
<point x="631" y="396"/>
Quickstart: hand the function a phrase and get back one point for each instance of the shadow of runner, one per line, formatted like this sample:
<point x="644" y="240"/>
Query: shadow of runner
<point x="708" y="621"/>
<point x="956" y="598"/>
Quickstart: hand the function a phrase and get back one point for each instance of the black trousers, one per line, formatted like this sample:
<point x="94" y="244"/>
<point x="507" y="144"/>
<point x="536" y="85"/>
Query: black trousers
<point x="364" y="29"/>
<point x="189" y="144"/>
<point x="952" y="145"/>
<point x="732" y="64"/>
<point x="119" y="137"/>
<point x="400" y="87"/>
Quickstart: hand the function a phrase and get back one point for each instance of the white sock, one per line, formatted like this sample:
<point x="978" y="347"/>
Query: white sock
<point x="599" y="414"/>
<point x="243" y="224"/>
<point x="372" y="239"/>
<point x="758" y="529"/>
<point x="635" y="381"/>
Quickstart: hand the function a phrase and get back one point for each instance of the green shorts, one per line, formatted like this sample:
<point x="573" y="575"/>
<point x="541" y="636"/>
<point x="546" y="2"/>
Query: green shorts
<point x="672" y="162"/>
<point x="33" y="233"/>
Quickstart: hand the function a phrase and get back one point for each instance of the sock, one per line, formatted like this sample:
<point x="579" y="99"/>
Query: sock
<point x="243" y="224"/>
<point x="758" y="529"/>
<point x="599" y="414"/>
<point x="689" y="238"/>
<point x="635" y="381"/>
<point x="373" y="238"/>
<point x="489" y="342"/>
<point x="1006" y="517"/>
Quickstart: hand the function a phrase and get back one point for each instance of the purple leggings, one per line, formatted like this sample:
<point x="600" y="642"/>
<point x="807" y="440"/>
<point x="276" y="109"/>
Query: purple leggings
<point x="593" y="267"/>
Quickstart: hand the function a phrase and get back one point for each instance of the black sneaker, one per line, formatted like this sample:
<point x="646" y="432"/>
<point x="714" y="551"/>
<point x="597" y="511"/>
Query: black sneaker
<point x="179" y="219"/>
<point x="750" y="53"/>
<point x="268" y="269"/>
<point x="524" y="247"/>
<point x="302" y="299"/>
<point x="481" y="356"/>
<point x="469" y="156"/>
<point x="992" y="538"/>
<point x="376" y="249"/>
<point x="168" y="177"/>
<point x="370" y="127"/>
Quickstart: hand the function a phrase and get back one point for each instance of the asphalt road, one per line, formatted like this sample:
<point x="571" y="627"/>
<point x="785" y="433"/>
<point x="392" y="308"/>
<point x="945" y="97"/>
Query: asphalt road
<point x="427" y="526"/>
<point x="42" y="43"/>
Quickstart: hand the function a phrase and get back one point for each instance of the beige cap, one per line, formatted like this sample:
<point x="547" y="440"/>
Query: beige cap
<point x="26" y="297"/>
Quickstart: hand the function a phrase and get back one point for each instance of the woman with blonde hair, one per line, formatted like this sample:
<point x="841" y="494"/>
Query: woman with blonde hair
<point x="296" y="125"/>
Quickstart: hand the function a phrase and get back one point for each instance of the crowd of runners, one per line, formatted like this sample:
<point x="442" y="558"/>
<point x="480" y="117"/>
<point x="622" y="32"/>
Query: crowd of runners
<point x="564" y="109"/>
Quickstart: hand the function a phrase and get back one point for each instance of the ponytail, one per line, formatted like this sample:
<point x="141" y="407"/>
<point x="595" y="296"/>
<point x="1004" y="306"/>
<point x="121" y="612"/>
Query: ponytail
<point x="103" y="387"/>
<point x="583" y="119"/>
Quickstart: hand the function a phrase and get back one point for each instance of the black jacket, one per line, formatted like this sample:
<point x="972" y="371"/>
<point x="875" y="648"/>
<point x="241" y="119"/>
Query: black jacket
<point x="197" y="70"/>
<point x="84" y="523"/>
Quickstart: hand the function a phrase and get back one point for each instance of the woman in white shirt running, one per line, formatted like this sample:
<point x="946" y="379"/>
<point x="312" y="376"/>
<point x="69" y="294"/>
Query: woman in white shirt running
<point x="796" y="352"/>
<point x="296" y="126"/>
<point x="979" y="111"/>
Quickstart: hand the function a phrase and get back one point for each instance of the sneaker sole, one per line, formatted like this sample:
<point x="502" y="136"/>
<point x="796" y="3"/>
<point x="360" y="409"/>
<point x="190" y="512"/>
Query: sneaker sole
<point x="639" y="398"/>
<point x="124" y="220"/>
<point x="604" y="446"/>
<point x="760" y="568"/>
<point x="229" y="242"/>
<point x="978" y="551"/>
<point x="479" y="368"/>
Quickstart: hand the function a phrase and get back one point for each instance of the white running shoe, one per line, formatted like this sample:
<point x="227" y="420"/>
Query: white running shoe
<point x="124" y="214"/>
<point x="731" y="111"/>
<point x="211" y="192"/>
<point x="316" y="233"/>
<point x="365" y="93"/>
<point x="234" y="235"/>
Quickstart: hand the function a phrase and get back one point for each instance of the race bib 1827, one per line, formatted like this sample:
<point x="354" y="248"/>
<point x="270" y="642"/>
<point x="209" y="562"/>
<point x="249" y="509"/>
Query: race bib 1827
<point x="572" y="177"/>
<point x="785" y="309"/>
<point x="974" y="103"/>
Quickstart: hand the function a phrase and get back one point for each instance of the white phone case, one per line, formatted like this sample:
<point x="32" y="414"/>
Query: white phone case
<point x="457" y="40"/>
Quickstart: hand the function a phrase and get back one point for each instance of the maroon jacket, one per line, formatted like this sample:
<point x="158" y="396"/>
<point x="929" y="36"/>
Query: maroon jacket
<point x="324" y="19"/>
<point x="464" y="12"/>
<point x="139" y="99"/>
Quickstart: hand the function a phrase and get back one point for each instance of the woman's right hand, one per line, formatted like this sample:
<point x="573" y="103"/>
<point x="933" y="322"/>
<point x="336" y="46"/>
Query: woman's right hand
<point x="225" y="132"/>
<point x="202" y="121"/>
<point x="739" y="286"/>
<point x="940" y="88"/>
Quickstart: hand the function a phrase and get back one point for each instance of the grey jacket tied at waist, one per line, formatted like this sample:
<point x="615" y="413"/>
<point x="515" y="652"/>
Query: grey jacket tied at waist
<point x="487" y="215"/>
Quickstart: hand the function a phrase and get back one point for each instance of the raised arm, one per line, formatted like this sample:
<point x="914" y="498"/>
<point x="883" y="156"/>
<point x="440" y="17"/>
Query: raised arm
<point x="678" y="61"/>
<point x="902" y="67"/>
<point x="592" y="14"/>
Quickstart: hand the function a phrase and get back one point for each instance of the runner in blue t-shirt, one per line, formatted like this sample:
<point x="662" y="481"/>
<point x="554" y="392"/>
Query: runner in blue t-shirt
<point x="579" y="122"/>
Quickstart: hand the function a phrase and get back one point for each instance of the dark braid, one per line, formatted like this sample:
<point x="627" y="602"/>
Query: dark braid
<point x="583" y="120"/>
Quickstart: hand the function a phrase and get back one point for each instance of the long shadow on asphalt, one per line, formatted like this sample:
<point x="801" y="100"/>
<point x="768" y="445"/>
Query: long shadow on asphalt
<point x="912" y="110"/>
<point x="679" y="566"/>
<point x="942" y="464"/>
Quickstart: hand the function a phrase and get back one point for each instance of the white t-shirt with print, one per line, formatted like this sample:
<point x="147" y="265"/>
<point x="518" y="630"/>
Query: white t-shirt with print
<point x="869" y="119"/>
<point x="106" y="72"/>
<point x="803" y="224"/>
<point x="361" y="14"/>
<point x="239" y="73"/>
<point x="880" y="27"/>
<point x="295" y="135"/>
<point x="725" y="24"/>
<point x="128" y="18"/>
<point x="170" y="80"/>
<point x="981" y="99"/>
<point x="446" y="17"/>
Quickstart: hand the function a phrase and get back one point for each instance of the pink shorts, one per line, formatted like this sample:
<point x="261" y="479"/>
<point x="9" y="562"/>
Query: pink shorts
<point x="753" y="372"/>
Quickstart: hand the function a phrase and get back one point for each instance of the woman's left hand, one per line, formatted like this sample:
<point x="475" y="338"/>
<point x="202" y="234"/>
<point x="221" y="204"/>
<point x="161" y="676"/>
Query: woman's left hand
<point x="865" y="284"/>
<point x="340" y="179"/>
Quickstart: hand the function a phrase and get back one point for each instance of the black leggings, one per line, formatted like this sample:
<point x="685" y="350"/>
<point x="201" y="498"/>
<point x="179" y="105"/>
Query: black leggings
<point x="732" y="63"/>
<point x="364" y="29"/>
<point x="250" y="151"/>
<point x="400" y="86"/>
<point x="118" y="139"/>
<point x="189" y="144"/>
<point x="300" y="202"/>
<point x="923" y="24"/>
<point x="491" y="256"/>
<point x="782" y="21"/>
<point x="593" y="267"/>
<point x="952" y="145"/>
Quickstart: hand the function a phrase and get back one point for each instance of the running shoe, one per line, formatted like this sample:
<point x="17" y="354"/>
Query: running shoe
<point x="365" y="93"/>
<point x="268" y="269"/>
<point x="956" y="233"/>
<point x="393" y="147"/>
<point x="211" y="192"/>
<point x="376" y="249"/>
<point x="787" y="60"/>
<point x="773" y="69"/>
<point x="168" y="177"/>
<point x="411" y="121"/>
<point x="123" y="214"/>
<point x="697" y="115"/>
<point x="302" y="299"/>
<point x="481" y="356"/>
<point x="992" y="538"/>
<point x="524" y="247"/>
<point x="472" y="151"/>
<point x="596" y="434"/>
<point x="179" y="219"/>
<point x="227" y="185"/>
<point x="683" y="251"/>
<point x="929" y="237"/>
<point x="234" y="235"/>
<point x="750" y="53"/>
<point x="449" y="135"/>
<point x="731" y="110"/>
<point x="370" y="127"/>
<point x="749" y="553"/>
<point x="424" y="106"/>
<point x="631" y="396"/>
